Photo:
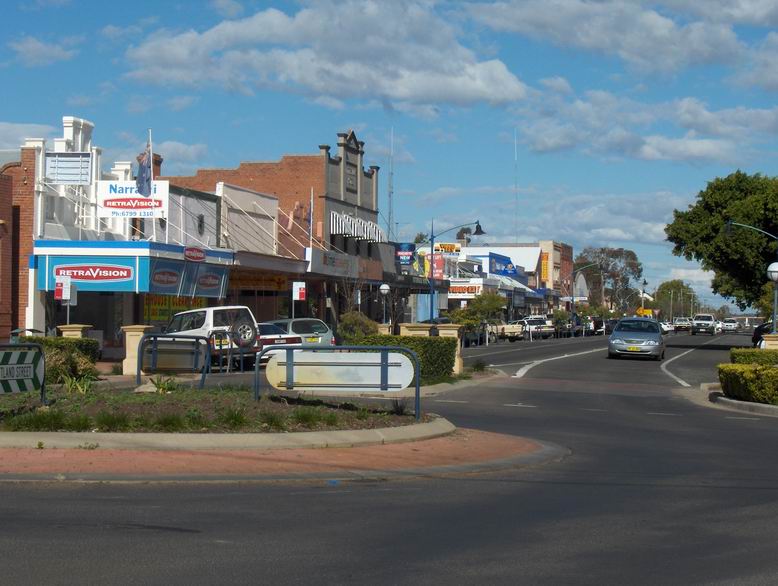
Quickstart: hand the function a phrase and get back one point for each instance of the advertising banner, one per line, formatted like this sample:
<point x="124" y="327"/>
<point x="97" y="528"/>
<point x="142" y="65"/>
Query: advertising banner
<point x="501" y="265"/>
<point x="120" y="199"/>
<point x="544" y="272"/>
<point x="95" y="273"/>
<point x="404" y="252"/>
<point x="465" y="288"/>
<point x="448" y="248"/>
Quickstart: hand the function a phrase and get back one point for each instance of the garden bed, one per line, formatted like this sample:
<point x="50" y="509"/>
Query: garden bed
<point x="176" y="409"/>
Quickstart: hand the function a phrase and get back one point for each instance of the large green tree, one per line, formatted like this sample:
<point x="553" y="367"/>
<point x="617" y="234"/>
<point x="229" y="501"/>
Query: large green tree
<point x="613" y="274"/>
<point x="738" y="256"/>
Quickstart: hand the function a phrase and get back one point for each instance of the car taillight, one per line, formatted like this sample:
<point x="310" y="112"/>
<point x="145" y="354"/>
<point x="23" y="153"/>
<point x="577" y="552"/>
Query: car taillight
<point x="293" y="341"/>
<point x="333" y="342"/>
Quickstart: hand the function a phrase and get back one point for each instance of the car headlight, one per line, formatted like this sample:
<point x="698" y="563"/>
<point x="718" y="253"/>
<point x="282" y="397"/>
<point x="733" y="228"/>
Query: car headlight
<point x="617" y="341"/>
<point x="651" y="343"/>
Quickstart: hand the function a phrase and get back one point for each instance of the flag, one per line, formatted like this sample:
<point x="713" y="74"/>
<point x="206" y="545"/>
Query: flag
<point x="143" y="180"/>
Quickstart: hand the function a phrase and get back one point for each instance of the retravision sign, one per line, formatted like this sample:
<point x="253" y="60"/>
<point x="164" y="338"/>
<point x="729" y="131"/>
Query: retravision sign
<point x="120" y="199"/>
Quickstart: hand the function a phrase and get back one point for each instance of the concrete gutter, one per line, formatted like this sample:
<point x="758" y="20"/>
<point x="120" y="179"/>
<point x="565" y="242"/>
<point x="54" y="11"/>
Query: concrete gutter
<point x="716" y="396"/>
<point x="222" y="441"/>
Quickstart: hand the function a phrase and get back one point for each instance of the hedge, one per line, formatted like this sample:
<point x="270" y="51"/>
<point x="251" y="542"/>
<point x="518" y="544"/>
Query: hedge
<point x="74" y="357"/>
<point x="436" y="354"/>
<point x="753" y="356"/>
<point x="87" y="346"/>
<point x="756" y="383"/>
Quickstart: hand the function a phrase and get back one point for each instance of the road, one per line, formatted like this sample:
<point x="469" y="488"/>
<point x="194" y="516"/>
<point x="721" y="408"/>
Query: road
<point x="656" y="490"/>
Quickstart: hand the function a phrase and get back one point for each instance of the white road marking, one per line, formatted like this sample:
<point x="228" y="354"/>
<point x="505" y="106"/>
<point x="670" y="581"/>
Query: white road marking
<point x="746" y="418"/>
<point x="598" y="410"/>
<point x="521" y="372"/>
<point x="665" y="414"/>
<point x="677" y="379"/>
<point x="520" y="405"/>
<point x="449" y="401"/>
<point x="512" y="363"/>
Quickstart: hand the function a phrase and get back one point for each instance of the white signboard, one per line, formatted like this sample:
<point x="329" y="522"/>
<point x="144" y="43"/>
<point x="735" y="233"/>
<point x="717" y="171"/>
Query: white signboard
<point x="120" y="199"/>
<point x="465" y="288"/>
<point x="298" y="291"/>
<point x="342" y="372"/>
<point x="62" y="286"/>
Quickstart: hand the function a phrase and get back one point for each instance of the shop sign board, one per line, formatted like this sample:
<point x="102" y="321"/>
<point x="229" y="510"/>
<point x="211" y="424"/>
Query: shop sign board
<point x="298" y="291"/>
<point x="94" y="273"/>
<point x="120" y="199"/>
<point x="501" y="265"/>
<point x="194" y="254"/>
<point x="333" y="264"/>
<point x="448" y="248"/>
<point x="258" y="281"/>
<point x="465" y="288"/>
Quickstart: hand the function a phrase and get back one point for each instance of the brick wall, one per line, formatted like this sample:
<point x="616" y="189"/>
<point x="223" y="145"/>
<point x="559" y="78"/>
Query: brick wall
<point x="6" y="248"/>
<point x="22" y="176"/>
<point x="290" y="180"/>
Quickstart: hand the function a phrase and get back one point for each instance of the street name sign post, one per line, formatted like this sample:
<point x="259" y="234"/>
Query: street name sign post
<point x="22" y="369"/>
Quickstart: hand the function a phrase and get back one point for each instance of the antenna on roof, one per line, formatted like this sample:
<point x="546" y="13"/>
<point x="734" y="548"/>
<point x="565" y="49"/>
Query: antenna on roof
<point x="390" y="187"/>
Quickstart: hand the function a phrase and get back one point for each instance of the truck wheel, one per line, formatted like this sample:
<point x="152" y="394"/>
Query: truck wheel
<point x="244" y="333"/>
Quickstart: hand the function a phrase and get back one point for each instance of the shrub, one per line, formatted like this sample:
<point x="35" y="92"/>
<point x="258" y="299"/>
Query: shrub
<point x="436" y="354"/>
<point x="753" y="356"/>
<point x="756" y="383"/>
<point x="354" y="327"/>
<point x="87" y="346"/>
<point x="67" y="357"/>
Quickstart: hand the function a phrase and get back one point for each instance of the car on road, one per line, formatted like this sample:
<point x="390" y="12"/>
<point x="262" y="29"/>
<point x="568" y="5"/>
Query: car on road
<point x="666" y="326"/>
<point x="730" y="324"/>
<point x="703" y="323"/>
<point x="312" y="331"/>
<point x="636" y="336"/>
<point x="269" y="334"/>
<point x="682" y="324"/>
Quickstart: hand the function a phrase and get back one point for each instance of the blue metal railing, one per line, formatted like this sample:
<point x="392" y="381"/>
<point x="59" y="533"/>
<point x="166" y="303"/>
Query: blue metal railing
<point x="195" y="352"/>
<point x="383" y="384"/>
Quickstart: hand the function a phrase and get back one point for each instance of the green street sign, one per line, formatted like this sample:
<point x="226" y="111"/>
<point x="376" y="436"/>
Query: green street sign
<point x="21" y="370"/>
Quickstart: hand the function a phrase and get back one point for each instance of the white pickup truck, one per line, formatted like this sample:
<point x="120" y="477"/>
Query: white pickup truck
<point x="233" y="326"/>
<point x="703" y="323"/>
<point x="512" y="331"/>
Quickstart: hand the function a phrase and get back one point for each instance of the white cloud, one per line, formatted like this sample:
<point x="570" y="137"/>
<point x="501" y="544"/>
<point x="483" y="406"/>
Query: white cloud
<point x="329" y="102"/>
<point x="178" y="103"/>
<point x="762" y="70"/>
<point x="697" y="277"/>
<point x="557" y="84"/>
<point x="138" y="104"/>
<point x="32" y="52"/>
<point x="754" y="12"/>
<point x="642" y="37"/>
<point x="411" y="58"/>
<point x="227" y="8"/>
<point x="12" y="135"/>
<point x="178" y="158"/>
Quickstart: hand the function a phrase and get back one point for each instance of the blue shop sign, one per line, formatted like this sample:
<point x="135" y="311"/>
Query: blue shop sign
<point x="128" y="274"/>
<point x="501" y="265"/>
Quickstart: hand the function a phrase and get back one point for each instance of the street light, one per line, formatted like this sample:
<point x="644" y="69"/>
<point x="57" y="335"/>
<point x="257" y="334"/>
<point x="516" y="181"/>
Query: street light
<point x="384" y="289"/>
<point x="478" y="232"/>
<point x="772" y="272"/>
<point x="643" y="297"/>
<point x="572" y="293"/>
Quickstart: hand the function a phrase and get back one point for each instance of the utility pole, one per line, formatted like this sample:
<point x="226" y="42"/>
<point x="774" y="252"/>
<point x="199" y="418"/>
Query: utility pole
<point x="390" y="188"/>
<point x="672" y="293"/>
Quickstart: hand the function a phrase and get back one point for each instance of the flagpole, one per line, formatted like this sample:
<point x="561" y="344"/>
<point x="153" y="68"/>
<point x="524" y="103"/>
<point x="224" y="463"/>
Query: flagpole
<point x="151" y="187"/>
<point x="310" y="223"/>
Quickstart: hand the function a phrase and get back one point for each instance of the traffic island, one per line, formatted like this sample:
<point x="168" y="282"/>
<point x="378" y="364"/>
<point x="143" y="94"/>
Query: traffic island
<point x="142" y="459"/>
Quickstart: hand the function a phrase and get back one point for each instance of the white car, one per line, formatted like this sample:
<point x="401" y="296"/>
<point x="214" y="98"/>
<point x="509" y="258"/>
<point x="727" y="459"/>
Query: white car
<point x="271" y="335"/>
<point x="667" y="327"/>
<point x="730" y="325"/>
<point x="719" y="327"/>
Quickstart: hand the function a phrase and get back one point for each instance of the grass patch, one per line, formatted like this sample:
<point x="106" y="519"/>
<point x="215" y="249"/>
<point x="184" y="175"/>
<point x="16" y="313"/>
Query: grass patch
<point x="112" y="421"/>
<point x="273" y="420"/>
<point x="233" y="417"/>
<point x="40" y="420"/>
<point x="307" y="416"/>
<point x="170" y="422"/>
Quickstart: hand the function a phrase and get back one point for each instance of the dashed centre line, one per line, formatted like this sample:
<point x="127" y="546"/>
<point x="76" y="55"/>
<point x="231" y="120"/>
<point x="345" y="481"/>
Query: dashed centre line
<point x="664" y="414"/>
<point x="597" y="410"/>
<point x="745" y="418"/>
<point x="520" y="405"/>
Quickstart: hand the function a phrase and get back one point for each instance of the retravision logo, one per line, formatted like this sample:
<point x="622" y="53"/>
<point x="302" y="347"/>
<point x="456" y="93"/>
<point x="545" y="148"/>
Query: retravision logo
<point x="93" y="273"/>
<point x="132" y="203"/>
<point x="165" y="278"/>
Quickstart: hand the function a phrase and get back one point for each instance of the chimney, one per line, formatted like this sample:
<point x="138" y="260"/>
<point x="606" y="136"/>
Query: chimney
<point x="157" y="164"/>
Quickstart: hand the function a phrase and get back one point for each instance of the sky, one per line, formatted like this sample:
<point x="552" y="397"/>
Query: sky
<point x="582" y="121"/>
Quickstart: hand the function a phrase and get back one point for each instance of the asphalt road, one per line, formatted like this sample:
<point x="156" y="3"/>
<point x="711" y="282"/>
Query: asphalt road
<point x="656" y="490"/>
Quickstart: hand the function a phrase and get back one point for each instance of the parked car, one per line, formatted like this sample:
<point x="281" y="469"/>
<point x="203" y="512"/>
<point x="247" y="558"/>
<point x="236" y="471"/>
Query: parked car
<point x="730" y="324"/>
<point x="537" y="327"/>
<point x="512" y="331"/>
<point x="270" y="334"/>
<point x="703" y="323"/>
<point x="637" y="336"/>
<point x="759" y="331"/>
<point x="311" y="330"/>
<point x="682" y="324"/>
<point x="232" y="329"/>
<point x="609" y="325"/>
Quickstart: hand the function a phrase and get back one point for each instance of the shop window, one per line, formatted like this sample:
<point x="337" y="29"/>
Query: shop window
<point x="200" y="224"/>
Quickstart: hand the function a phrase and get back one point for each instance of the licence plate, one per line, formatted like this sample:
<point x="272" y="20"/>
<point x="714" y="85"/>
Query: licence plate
<point x="312" y="340"/>
<point x="633" y="348"/>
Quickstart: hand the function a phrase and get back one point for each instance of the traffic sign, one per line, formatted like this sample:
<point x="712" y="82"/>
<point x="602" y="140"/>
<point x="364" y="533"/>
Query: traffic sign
<point x="298" y="291"/>
<point x="62" y="286"/>
<point x="21" y="369"/>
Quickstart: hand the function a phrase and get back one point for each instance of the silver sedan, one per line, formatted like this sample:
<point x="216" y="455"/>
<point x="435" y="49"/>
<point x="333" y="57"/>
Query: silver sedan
<point x="637" y="337"/>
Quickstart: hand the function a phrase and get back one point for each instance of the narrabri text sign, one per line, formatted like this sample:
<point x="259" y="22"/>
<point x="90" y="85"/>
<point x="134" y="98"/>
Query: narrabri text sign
<point x="120" y="199"/>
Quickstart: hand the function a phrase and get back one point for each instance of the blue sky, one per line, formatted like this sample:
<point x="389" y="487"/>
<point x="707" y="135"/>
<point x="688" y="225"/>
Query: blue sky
<point x="621" y="110"/>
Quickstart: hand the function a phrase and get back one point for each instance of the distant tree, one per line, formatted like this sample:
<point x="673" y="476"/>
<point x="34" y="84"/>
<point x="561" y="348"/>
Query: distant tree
<point x="617" y="267"/>
<point x="464" y="234"/>
<point x="738" y="257"/>
<point x="420" y="238"/>
<point x="674" y="298"/>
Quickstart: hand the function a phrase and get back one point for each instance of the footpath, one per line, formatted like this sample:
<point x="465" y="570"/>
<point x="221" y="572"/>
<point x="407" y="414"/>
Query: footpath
<point x="425" y="449"/>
